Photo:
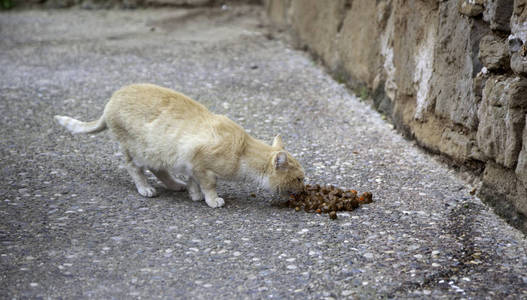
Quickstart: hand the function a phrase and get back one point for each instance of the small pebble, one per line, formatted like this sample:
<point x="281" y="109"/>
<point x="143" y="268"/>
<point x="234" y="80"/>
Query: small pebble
<point x="305" y="230"/>
<point x="291" y="267"/>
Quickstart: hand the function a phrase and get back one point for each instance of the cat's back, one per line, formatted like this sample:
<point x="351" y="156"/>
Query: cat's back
<point x="145" y="102"/>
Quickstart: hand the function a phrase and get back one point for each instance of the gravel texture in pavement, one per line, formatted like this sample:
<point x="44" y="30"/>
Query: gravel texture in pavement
<point x="72" y="224"/>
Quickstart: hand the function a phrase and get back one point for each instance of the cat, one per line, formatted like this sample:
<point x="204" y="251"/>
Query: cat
<point x="170" y="134"/>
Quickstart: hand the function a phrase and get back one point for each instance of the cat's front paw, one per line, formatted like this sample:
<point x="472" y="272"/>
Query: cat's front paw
<point x="217" y="202"/>
<point x="147" y="191"/>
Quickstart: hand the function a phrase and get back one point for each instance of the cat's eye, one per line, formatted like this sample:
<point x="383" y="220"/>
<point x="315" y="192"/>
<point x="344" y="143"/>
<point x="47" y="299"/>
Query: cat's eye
<point x="300" y="179"/>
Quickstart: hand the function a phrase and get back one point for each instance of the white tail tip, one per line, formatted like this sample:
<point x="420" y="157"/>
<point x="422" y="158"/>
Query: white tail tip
<point x="76" y="126"/>
<point x="61" y="120"/>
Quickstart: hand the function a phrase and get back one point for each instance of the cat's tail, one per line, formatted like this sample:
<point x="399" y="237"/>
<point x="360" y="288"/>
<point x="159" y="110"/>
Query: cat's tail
<point x="76" y="126"/>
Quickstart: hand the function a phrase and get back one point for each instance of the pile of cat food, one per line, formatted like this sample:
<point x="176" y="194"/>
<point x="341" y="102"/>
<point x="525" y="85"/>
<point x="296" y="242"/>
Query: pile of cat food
<point x="327" y="199"/>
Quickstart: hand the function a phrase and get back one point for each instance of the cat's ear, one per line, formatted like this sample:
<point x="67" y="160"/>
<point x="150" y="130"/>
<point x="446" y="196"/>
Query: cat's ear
<point x="280" y="160"/>
<point x="277" y="142"/>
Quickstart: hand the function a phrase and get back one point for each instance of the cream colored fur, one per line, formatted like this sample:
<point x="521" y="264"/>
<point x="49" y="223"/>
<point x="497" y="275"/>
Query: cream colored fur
<point x="171" y="134"/>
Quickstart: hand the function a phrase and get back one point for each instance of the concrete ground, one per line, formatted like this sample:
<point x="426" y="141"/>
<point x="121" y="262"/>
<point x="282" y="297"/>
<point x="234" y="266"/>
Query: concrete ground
<point x="73" y="226"/>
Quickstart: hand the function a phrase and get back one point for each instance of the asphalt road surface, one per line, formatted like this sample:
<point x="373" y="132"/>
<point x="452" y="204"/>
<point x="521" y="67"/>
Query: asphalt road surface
<point x="72" y="224"/>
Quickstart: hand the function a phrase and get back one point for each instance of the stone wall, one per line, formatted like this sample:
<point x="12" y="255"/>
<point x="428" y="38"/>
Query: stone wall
<point x="450" y="74"/>
<point x="104" y="4"/>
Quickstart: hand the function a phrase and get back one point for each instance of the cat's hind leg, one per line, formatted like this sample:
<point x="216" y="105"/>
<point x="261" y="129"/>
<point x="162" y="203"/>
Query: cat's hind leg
<point x="170" y="182"/>
<point x="139" y="177"/>
<point x="193" y="190"/>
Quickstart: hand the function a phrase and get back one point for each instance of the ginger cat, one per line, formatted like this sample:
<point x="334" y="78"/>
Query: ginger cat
<point x="169" y="133"/>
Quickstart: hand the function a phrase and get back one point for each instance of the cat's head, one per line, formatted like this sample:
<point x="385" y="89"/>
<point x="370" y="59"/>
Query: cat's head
<point x="286" y="175"/>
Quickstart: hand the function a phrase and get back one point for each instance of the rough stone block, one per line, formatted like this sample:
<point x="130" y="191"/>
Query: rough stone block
<point x="317" y="24"/>
<point x="498" y="13"/>
<point x="518" y="50"/>
<point x="518" y="38"/>
<point x="178" y="2"/>
<point x="493" y="52"/>
<point x="414" y="37"/>
<point x="459" y="145"/>
<point x="502" y="118"/>
<point x="505" y="193"/>
<point x="471" y="8"/>
<point x="521" y="168"/>
<point x="358" y="49"/>
<point x="98" y="4"/>
<point x="456" y="63"/>
<point x="479" y="82"/>
<point x="519" y="16"/>
<point x="60" y="3"/>
<point x="277" y="11"/>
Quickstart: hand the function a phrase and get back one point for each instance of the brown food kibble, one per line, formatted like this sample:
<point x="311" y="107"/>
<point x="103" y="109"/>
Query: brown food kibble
<point x="333" y="215"/>
<point x="368" y="198"/>
<point x="354" y="203"/>
<point x="327" y="199"/>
